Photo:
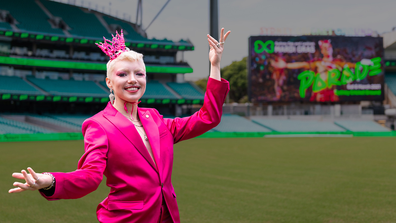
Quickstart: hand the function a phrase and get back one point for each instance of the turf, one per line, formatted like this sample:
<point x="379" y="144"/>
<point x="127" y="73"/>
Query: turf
<point x="233" y="180"/>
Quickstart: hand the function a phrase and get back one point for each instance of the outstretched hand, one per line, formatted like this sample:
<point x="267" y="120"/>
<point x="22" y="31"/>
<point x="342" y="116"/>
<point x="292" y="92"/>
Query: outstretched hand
<point x="216" y="48"/>
<point x="33" y="181"/>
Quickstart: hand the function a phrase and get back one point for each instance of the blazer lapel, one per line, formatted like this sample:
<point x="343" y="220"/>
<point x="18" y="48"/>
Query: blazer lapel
<point x="128" y="130"/>
<point x="151" y="130"/>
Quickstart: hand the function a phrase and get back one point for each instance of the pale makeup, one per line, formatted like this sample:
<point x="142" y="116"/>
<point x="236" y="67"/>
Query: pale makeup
<point x="128" y="80"/>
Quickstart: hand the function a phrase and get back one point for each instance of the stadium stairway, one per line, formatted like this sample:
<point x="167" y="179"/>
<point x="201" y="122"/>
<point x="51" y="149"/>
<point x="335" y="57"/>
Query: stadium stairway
<point x="235" y="123"/>
<point x="286" y="125"/>
<point x="361" y="126"/>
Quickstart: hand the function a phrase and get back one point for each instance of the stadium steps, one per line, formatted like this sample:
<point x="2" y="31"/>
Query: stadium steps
<point x="36" y="87"/>
<point x="361" y="126"/>
<point x="76" y="120"/>
<point x="36" y="22"/>
<point x="15" y="85"/>
<point x="186" y="90"/>
<point x="23" y="125"/>
<point x="287" y="125"/>
<point x="235" y="123"/>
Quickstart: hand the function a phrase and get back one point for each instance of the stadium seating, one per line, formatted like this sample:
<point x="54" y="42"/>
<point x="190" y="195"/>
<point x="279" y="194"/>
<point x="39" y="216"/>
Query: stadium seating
<point x="361" y="126"/>
<point x="54" y="121"/>
<point x="71" y="119"/>
<point x="7" y="129"/>
<point x="186" y="90"/>
<point x="286" y="125"/>
<point x="30" y="16"/>
<point x="81" y="23"/>
<point x="69" y="87"/>
<point x="4" y="25"/>
<point x="15" y="85"/>
<point x="235" y="123"/>
<point x="22" y="127"/>
<point x="129" y="32"/>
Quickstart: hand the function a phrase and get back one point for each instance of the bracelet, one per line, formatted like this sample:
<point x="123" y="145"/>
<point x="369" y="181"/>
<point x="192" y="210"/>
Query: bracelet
<point x="53" y="181"/>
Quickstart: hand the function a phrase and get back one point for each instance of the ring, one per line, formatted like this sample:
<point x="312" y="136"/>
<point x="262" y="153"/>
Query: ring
<point x="32" y="185"/>
<point x="222" y="43"/>
<point x="218" y="45"/>
<point x="35" y="181"/>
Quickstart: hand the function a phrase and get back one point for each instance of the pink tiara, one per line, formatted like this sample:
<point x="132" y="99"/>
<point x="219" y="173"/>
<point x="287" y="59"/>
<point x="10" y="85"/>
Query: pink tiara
<point x="115" y="47"/>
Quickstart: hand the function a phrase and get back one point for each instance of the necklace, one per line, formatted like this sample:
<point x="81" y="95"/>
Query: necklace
<point x="142" y="133"/>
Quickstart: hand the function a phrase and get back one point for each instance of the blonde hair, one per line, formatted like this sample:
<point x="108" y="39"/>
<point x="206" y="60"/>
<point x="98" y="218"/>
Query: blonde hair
<point x="126" y="55"/>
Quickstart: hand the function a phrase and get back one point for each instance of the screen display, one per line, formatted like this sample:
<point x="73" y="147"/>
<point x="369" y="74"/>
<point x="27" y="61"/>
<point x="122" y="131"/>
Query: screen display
<point x="315" y="68"/>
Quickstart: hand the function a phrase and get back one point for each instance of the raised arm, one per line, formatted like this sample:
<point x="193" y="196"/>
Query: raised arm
<point x="209" y="115"/>
<point x="215" y="53"/>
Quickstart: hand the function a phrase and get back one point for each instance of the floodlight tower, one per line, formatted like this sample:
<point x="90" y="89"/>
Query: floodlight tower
<point x="214" y="19"/>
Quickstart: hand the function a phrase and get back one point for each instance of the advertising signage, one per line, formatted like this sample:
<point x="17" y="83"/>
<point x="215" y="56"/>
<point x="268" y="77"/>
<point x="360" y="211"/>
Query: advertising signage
<point x="315" y="68"/>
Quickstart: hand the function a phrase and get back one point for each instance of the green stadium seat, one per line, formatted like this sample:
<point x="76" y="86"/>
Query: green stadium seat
<point x="71" y="119"/>
<point x="30" y="16"/>
<point x="69" y="87"/>
<point x="186" y="90"/>
<point x="15" y="85"/>
<point x="81" y="23"/>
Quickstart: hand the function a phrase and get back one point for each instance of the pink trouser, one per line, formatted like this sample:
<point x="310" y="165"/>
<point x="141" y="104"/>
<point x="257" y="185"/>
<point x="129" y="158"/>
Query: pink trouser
<point x="165" y="216"/>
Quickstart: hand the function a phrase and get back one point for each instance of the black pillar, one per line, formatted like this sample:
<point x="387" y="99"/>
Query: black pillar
<point x="214" y="19"/>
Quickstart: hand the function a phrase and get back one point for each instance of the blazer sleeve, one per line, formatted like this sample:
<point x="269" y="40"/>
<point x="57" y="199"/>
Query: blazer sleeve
<point x="206" y="118"/>
<point x="91" y="166"/>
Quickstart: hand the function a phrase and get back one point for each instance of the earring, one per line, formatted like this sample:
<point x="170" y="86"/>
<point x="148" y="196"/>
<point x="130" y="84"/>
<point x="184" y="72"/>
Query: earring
<point x="111" y="96"/>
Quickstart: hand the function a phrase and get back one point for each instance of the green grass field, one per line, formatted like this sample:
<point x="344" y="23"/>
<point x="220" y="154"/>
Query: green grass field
<point x="233" y="180"/>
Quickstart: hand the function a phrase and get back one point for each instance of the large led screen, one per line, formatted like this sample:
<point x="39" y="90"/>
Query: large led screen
<point x="315" y="68"/>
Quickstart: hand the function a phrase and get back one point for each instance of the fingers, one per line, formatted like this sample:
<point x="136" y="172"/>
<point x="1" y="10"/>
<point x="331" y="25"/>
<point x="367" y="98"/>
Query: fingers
<point x="226" y="35"/>
<point x="28" y="178"/>
<point x="23" y="186"/>
<point x="212" y="39"/>
<point x="16" y="190"/>
<point x="18" y="176"/>
<point x="222" y="35"/>
<point x="212" y="43"/>
<point x="34" y="174"/>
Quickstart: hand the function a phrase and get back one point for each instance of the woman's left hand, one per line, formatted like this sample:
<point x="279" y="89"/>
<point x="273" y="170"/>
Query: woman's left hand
<point x="216" y="48"/>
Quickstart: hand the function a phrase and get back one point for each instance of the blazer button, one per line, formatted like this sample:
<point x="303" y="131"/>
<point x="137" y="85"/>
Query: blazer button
<point x="162" y="184"/>
<point x="147" y="116"/>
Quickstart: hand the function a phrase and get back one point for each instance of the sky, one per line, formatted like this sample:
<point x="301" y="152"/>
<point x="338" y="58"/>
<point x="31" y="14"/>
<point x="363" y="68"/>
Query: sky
<point x="189" y="19"/>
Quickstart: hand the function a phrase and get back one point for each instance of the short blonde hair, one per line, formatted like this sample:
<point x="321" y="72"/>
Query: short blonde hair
<point x="126" y="55"/>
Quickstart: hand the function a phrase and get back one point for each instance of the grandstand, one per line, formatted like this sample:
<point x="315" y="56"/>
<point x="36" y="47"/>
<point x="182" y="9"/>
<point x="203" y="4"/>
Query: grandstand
<point x="49" y="63"/>
<point x="52" y="76"/>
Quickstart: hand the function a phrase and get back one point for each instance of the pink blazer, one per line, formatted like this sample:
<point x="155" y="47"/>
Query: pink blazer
<point x="114" y="148"/>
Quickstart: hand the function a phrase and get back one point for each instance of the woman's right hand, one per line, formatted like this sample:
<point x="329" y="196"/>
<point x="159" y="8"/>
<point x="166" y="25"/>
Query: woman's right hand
<point x="33" y="181"/>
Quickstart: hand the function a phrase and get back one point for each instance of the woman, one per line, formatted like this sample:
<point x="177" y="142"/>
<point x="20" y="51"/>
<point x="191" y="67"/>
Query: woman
<point x="132" y="146"/>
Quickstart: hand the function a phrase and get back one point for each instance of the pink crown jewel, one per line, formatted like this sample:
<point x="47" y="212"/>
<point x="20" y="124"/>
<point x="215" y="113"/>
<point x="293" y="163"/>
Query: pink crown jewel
<point x="115" y="47"/>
